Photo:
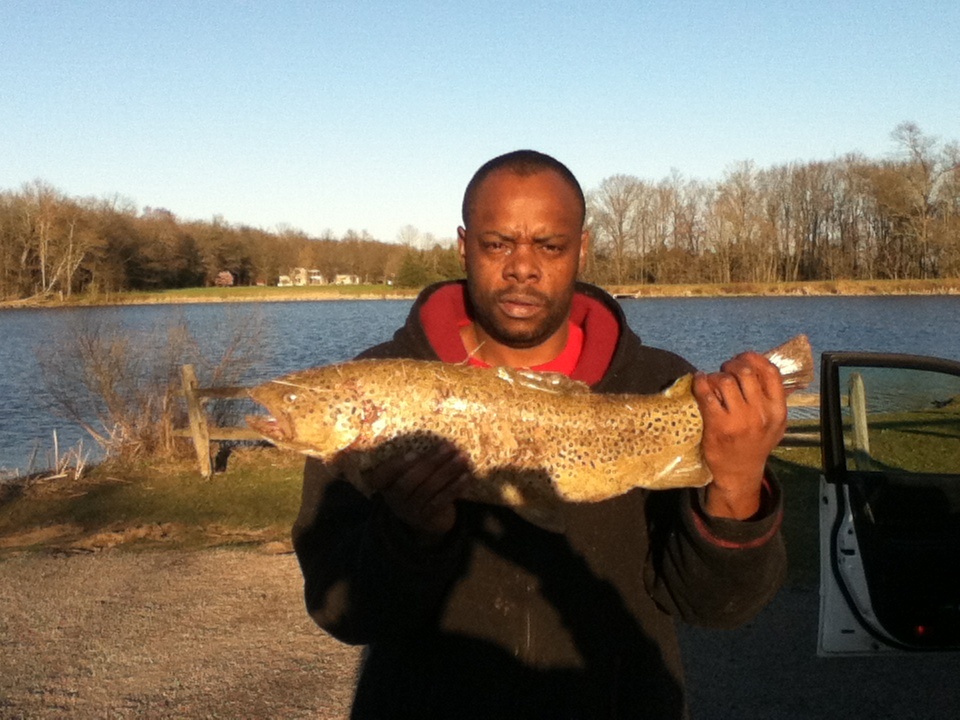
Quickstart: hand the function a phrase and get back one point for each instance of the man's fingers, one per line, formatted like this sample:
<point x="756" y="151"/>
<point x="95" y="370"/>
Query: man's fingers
<point x="427" y="479"/>
<point x="382" y="477"/>
<point x="445" y="495"/>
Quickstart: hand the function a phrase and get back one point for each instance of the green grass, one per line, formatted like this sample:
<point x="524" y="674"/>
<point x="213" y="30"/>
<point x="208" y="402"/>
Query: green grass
<point x="258" y="495"/>
<point x="248" y="294"/>
<point x="331" y="292"/>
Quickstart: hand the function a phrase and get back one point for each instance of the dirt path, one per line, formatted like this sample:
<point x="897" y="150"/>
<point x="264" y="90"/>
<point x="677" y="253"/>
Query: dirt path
<point x="212" y="634"/>
<point x="223" y="634"/>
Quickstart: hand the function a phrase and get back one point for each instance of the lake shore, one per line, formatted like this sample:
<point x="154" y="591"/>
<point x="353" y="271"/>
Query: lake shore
<point x="949" y="286"/>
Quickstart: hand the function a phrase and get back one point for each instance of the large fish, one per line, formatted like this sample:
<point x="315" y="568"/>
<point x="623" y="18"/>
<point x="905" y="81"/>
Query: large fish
<point x="533" y="439"/>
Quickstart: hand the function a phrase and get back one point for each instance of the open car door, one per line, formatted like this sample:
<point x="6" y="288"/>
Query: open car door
<point x="890" y="504"/>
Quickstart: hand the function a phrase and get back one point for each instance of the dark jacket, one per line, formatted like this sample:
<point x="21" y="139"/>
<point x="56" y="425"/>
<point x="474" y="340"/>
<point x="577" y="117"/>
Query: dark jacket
<point x="508" y="620"/>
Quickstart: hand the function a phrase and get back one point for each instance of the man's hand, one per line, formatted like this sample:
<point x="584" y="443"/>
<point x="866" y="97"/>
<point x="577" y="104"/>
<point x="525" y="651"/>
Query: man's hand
<point x="744" y="418"/>
<point x="422" y="490"/>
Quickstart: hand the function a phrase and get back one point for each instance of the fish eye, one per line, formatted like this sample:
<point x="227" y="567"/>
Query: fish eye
<point x="291" y="398"/>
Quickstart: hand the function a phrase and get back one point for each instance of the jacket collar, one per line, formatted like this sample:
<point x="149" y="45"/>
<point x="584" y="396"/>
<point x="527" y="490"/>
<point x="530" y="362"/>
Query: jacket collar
<point x="442" y="308"/>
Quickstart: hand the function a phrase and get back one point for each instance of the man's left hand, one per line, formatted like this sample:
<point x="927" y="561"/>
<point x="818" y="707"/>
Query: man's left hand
<point x="744" y="414"/>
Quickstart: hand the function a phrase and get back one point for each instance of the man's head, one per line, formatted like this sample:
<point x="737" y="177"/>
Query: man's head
<point x="522" y="246"/>
<point x="522" y="163"/>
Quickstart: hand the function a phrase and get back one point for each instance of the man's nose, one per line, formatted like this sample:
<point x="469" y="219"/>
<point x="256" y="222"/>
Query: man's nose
<point x="522" y="264"/>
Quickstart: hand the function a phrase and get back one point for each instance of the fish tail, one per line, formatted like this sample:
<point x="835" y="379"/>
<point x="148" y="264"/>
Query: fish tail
<point x="794" y="360"/>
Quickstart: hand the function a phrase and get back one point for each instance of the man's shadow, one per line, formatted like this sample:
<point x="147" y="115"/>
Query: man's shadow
<point x="457" y="674"/>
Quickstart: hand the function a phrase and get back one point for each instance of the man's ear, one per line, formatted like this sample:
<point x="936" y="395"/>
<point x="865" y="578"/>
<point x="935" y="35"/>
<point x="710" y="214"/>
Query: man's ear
<point x="462" y="247"/>
<point x="584" y="249"/>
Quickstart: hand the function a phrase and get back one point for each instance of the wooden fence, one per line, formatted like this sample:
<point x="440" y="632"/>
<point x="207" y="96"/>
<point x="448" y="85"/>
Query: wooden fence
<point x="200" y="430"/>
<point x="203" y="433"/>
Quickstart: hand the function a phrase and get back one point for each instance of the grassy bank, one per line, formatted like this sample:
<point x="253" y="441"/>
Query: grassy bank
<point x="139" y="506"/>
<point x="222" y="295"/>
<point x="386" y="292"/>
<point x="821" y="287"/>
<point x="256" y="501"/>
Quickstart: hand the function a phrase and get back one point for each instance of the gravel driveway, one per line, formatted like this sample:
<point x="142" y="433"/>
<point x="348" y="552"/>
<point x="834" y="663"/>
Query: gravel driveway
<point x="223" y="634"/>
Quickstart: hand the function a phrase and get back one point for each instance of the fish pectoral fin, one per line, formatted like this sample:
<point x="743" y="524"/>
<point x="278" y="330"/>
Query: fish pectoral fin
<point x="685" y="469"/>
<point x="551" y="382"/>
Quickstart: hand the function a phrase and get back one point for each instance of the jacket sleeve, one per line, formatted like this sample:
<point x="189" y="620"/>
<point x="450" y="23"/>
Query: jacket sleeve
<point x="709" y="571"/>
<point x="365" y="578"/>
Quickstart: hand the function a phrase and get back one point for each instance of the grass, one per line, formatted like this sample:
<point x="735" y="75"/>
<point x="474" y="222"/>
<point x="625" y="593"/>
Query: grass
<point x="380" y="291"/>
<point x="256" y="501"/>
<point x="812" y="287"/>
<point x="242" y="294"/>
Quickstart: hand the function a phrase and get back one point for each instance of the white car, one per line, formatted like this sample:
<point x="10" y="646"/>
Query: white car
<point x="890" y="504"/>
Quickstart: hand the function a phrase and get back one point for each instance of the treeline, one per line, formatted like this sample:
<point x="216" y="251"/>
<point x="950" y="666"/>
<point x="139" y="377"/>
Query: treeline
<point x="848" y="218"/>
<point x="54" y="244"/>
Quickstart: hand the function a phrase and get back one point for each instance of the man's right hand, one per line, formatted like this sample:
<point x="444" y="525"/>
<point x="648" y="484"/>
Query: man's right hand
<point x="422" y="490"/>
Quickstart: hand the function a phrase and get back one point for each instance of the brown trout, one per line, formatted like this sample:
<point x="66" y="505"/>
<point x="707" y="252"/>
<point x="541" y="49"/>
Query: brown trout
<point x="533" y="439"/>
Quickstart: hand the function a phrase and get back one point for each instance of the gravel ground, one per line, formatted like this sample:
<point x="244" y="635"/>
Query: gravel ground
<point x="223" y="634"/>
<point x="209" y="634"/>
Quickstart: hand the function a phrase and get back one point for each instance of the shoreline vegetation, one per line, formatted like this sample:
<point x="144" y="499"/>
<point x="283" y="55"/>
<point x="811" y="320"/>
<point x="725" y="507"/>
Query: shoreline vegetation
<point x="942" y="286"/>
<point x="252" y="502"/>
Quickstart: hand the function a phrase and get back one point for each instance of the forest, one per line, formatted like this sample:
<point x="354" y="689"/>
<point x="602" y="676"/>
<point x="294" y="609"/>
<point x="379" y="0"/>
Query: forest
<point x="848" y="218"/>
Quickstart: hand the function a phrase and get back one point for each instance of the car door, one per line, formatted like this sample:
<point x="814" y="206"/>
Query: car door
<point x="890" y="504"/>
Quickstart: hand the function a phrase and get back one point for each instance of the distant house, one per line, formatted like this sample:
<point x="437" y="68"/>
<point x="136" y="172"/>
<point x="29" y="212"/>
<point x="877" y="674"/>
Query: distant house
<point x="344" y="279"/>
<point x="284" y="281"/>
<point x="299" y="276"/>
<point x="302" y="276"/>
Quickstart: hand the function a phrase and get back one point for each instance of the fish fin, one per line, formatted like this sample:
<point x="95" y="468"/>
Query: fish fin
<point x="684" y="470"/>
<point x="551" y="382"/>
<point x="681" y="386"/>
<point x="794" y="360"/>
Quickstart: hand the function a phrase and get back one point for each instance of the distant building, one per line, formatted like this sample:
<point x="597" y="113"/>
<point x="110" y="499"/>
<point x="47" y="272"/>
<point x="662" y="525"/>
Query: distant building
<point x="300" y="276"/>
<point x="284" y="281"/>
<point x="344" y="279"/>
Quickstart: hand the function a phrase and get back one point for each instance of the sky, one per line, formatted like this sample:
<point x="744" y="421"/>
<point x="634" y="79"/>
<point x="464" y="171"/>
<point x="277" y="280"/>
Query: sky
<point x="373" y="115"/>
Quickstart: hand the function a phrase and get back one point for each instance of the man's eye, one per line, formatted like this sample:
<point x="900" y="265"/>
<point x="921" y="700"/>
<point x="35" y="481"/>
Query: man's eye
<point x="551" y="249"/>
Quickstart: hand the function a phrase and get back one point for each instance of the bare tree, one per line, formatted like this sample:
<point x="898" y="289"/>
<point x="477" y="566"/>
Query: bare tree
<point x="614" y="215"/>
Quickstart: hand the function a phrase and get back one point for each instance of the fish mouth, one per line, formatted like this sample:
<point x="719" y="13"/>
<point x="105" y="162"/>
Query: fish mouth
<point x="270" y="427"/>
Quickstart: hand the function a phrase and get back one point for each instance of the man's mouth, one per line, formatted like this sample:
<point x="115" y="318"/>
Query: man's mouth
<point x="520" y="307"/>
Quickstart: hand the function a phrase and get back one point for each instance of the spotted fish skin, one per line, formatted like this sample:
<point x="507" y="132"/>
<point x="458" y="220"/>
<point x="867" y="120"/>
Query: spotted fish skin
<point x="533" y="439"/>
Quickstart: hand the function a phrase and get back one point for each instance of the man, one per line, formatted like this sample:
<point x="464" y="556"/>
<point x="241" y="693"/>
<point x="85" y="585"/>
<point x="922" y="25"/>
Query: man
<point x="469" y="611"/>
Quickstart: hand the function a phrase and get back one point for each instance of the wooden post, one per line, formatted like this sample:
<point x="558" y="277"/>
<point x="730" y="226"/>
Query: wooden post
<point x="198" y="420"/>
<point x="858" y="412"/>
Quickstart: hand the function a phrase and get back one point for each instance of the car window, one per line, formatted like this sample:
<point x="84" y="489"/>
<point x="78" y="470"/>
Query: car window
<point x="900" y="420"/>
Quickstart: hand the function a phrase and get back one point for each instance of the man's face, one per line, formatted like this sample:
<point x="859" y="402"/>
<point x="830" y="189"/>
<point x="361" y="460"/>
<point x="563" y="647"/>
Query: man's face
<point x="522" y="251"/>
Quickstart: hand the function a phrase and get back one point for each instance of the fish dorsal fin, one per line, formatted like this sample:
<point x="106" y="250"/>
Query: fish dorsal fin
<point x="551" y="382"/>
<point x="681" y="386"/>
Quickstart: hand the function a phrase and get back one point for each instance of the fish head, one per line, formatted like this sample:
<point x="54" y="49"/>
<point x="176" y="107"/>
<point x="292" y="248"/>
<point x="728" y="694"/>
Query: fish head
<point x="314" y="418"/>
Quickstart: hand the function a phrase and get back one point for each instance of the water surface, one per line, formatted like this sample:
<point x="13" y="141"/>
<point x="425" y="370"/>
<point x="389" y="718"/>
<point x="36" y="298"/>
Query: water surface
<point x="292" y="335"/>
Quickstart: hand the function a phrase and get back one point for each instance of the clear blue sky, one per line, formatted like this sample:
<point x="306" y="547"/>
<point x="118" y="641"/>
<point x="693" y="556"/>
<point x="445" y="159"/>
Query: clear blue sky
<point x="373" y="115"/>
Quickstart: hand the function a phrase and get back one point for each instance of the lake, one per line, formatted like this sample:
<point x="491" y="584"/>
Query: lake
<point x="291" y="335"/>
